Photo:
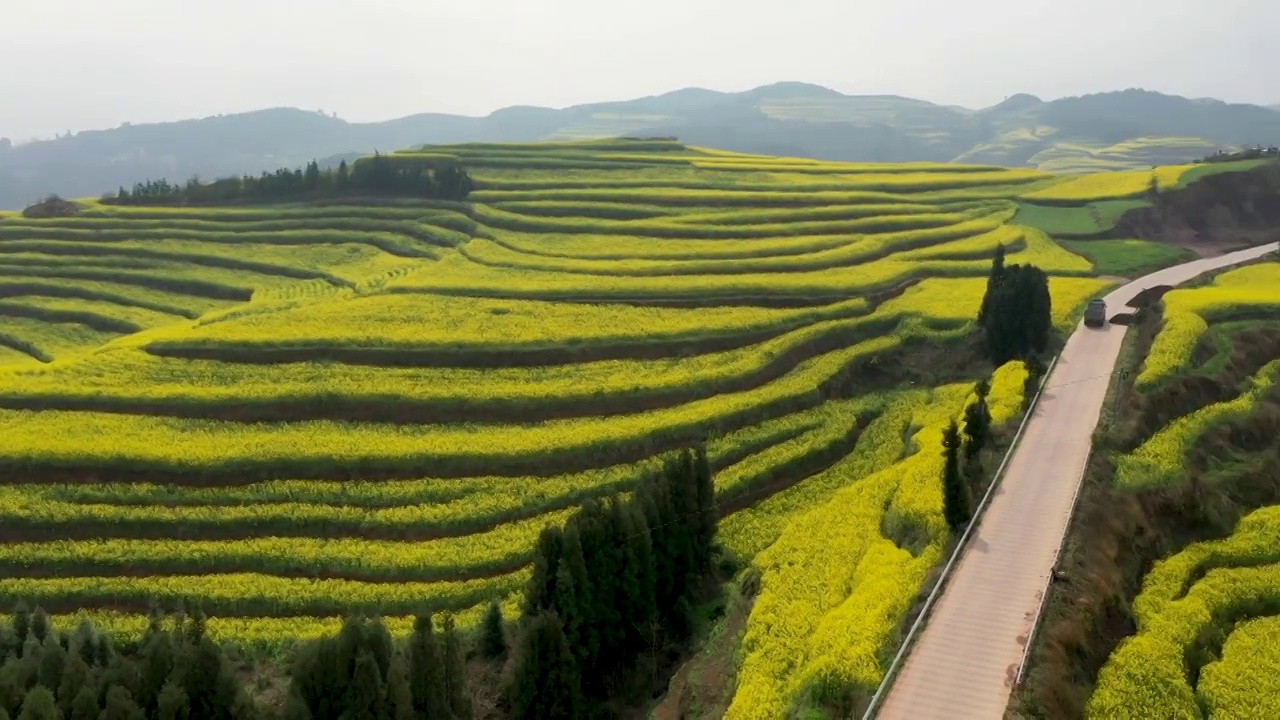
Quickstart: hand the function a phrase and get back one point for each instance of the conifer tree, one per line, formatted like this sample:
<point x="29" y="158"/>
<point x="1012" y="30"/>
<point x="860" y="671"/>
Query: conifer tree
<point x="708" y="514"/>
<point x="993" y="284"/>
<point x="1017" y="314"/>
<point x="955" y="494"/>
<point x="574" y="603"/>
<point x="646" y="604"/>
<point x="368" y="698"/>
<point x="172" y="703"/>
<point x="977" y="421"/>
<point x="21" y="622"/>
<point x="546" y="565"/>
<point x="84" y="706"/>
<point x="493" y="640"/>
<point x="156" y="667"/>
<point x="546" y="682"/>
<point x="399" y="695"/>
<point x="40" y="625"/>
<point x="455" y="673"/>
<point x="380" y="645"/>
<point x="120" y="705"/>
<point x="39" y="704"/>
<point x="53" y="658"/>
<point x="75" y="680"/>
<point x="426" y="671"/>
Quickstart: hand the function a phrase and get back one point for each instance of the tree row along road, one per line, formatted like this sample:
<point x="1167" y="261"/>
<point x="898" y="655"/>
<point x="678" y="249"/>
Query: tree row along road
<point x="964" y="661"/>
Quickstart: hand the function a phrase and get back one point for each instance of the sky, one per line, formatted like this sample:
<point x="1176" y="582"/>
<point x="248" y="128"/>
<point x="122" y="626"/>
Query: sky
<point x="87" y="64"/>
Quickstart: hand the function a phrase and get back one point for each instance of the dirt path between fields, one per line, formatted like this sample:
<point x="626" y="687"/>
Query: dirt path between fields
<point x="964" y="663"/>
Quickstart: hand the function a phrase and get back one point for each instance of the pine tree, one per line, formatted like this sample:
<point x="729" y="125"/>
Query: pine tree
<point x="955" y="494"/>
<point x="493" y="640"/>
<point x="426" y="671"/>
<point x="546" y="682"/>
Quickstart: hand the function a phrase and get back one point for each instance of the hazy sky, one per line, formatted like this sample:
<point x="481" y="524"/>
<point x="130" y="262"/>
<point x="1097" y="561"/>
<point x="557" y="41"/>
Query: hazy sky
<point x="83" y="64"/>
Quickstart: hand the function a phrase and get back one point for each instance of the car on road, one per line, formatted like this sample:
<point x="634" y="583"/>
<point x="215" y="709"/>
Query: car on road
<point x="1096" y="314"/>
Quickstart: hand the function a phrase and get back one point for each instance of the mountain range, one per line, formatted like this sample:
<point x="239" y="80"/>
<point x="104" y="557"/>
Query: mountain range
<point x="1114" y="130"/>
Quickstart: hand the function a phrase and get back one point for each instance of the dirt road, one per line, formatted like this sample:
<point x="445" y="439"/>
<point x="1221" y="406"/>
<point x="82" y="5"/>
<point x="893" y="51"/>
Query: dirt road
<point x="963" y="664"/>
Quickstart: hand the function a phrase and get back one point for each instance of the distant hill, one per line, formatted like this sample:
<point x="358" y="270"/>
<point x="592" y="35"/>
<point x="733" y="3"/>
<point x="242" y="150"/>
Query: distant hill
<point x="1115" y="130"/>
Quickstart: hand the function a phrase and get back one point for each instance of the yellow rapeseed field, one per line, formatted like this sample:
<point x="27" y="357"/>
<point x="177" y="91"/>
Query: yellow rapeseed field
<point x="1250" y="289"/>
<point x="408" y="391"/>
<point x="833" y="587"/>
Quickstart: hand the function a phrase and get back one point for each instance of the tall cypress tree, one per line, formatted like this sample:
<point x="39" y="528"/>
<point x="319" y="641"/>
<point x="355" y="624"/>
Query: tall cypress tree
<point x="399" y="694"/>
<point x="646" y="603"/>
<point x="368" y="694"/>
<point x="575" y="605"/>
<point x="493" y="639"/>
<point x="977" y="421"/>
<point x="955" y="495"/>
<point x="455" y="673"/>
<point x="546" y="565"/>
<point x="426" y="671"/>
<point x="993" y="283"/>
<point x="705" y="524"/>
<point x="546" y="682"/>
<point x="1017" y="314"/>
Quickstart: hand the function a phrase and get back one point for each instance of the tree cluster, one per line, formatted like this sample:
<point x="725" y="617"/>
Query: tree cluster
<point x="959" y="481"/>
<point x="1249" y="153"/>
<point x="379" y="175"/>
<point x="360" y="674"/>
<point x="613" y="588"/>
<point x="171" y="674"/>
<point x="1016" y="312"/>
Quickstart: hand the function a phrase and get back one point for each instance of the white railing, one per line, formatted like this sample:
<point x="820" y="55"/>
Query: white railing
<point x="889" y="675"/>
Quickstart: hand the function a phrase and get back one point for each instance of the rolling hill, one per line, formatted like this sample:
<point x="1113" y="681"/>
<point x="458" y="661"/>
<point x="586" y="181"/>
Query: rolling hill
<point x="287" y="413"/>
<point x="1107" y="131"/>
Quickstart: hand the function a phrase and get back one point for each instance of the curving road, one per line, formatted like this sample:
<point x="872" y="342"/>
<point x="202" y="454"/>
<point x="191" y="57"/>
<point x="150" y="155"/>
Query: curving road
<point x="963" y="664"/>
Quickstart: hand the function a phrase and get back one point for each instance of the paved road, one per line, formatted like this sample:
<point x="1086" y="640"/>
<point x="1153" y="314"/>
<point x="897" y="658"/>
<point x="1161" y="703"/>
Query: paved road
<point x="963" y="664"/>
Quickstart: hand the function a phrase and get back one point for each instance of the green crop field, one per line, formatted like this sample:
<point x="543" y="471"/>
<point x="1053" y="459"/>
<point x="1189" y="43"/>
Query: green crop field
<point x="293" y="412"/>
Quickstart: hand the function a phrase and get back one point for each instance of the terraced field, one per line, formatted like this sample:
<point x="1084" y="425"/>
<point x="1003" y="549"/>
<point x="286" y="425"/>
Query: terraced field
<point x="1206" y="613"/>
<point x="293" y="412"/>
